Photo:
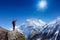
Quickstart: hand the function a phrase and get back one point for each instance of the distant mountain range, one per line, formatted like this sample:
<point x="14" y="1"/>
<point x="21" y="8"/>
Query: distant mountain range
<point x="36" y="29"/>
<point x="31" y="24"/>
<point x="44" y="31"/>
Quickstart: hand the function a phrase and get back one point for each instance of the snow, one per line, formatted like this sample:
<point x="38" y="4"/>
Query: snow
<point x="39" y="39"/>
<point x="36" y="22"/>
<point x="31" y="24"/>
<point x="40" y="26"/>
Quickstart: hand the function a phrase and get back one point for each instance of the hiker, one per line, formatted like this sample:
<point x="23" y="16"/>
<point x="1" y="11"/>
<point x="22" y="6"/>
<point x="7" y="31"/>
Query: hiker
<point x="14" y="23"/>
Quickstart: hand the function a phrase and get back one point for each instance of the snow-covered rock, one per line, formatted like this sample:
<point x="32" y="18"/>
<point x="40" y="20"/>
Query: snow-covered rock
<point x="32" y="24"/>
<point x="51" y="31"/>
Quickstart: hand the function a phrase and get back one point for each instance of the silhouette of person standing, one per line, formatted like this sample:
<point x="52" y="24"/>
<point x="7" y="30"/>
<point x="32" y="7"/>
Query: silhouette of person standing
<point x="14" y="23"/>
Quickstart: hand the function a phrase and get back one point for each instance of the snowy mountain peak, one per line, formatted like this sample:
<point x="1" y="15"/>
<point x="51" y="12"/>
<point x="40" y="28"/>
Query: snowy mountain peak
<point x="32" y="24"/>
<point x="58" y="19"/>
<point x="36" y="22"/>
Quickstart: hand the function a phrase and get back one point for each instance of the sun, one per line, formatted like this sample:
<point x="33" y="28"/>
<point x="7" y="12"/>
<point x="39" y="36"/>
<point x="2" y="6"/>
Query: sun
<point x="42" y="4"/>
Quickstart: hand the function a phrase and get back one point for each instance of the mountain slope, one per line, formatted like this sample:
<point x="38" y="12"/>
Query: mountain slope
<point x="3" y="34"/>
<point x="32" y="24"/>
<point x="51" y="31"/>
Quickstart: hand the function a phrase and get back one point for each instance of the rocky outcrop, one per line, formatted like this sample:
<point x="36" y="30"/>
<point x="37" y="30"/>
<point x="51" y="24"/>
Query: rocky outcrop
<point x="15" y="35"/>
<point x="10" y="35"/>
<point x="3" y="34"/>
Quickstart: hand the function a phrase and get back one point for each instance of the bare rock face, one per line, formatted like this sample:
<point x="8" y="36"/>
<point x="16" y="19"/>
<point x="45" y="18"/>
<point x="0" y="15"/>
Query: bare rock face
<point x="10" y="35"/>
<point x="15" y="35"/>
<point x="3" y="34"/>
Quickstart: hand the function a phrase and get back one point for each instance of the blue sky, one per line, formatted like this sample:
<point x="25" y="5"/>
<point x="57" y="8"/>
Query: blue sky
<point x="23" y="9"/>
